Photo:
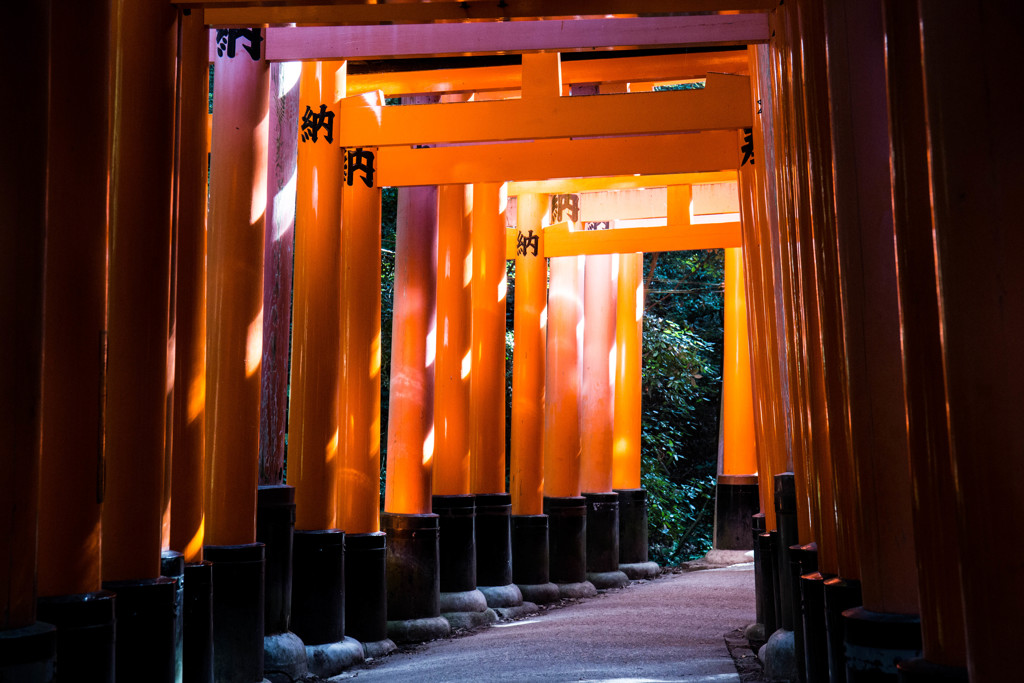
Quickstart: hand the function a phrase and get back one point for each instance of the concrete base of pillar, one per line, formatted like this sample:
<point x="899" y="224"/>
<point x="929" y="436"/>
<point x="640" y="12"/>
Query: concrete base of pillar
<point x="540" y="593"/>
<point x="778" y="656"/>
<point x="640" y="570"/>
<point x="197" y="650"/>
<point x="463" y="601"/>
<point x="378" y="648"/>
<point x="418" y="630"/>
<point x="502" y="596"/>
<point x="237" y="613"/>
<point x="840" y="595"/>
<point x="284" y="658"/>
<point x="632" y="526"/>
<point x="922" y="671"/>
<point x="877" y="642"/>
<point x="516" y="611"/>
<point x="736" y="500"/>
<point x="330" y="659"/>
<point x="28" y="655"/>
<point x="85" y="634"/>
<point x="812" y="594"/>
<point x="318" y="586"/>
<point x="606" y="580"/>
<point x="755" y="633"/>
<point x="576" y="589"/>
<point x="144" y="612"/>
<point x="366" y="588"/>
<point x="493" y="539"/>
<point x="567" y="538"/>
<point x="413" y="573"/>
<point x="464" y="621"/>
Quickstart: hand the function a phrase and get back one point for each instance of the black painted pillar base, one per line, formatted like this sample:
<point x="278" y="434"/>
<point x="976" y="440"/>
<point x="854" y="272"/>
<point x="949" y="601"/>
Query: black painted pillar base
<point x="876" y="642"/>
<point x="922" y="671"/>
<point x="456" y="542"/>
<point x="172" y="565"/>
<point x="788" y="535"/>
<point x="633" y="559"/>
<point x="28" y="655"/>
<point x="567" y="545"/>
<point x="85" y="634"/>
<point x="366" y="612"/>
<point x="736" y="499"/>
<point x="812" y="593"/>
<point x="144" y="612"/>
<point x="840" y="595"/>
<point x="237" y="612"/>
<point x="756" y="632"/>
<point x="803" y="559"/>
<point x="603" y="540"/>
<point x="197" y="650"/>
<point x="769" y="582"/>
<point x="530" y="558"/>
<point x="493" y="539"/>
<point x="413" y="577"/>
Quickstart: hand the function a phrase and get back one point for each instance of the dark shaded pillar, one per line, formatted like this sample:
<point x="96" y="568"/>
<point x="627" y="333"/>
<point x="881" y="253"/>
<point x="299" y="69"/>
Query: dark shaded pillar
<point x="602" y="541"/>
<point x="633" y="558"/>
<point x="531" y="558"/>
<point x="237" y="611"/>
<point x="567" y="545"/>
<point x="413" y="577"/>
<point x="736" y="499"/>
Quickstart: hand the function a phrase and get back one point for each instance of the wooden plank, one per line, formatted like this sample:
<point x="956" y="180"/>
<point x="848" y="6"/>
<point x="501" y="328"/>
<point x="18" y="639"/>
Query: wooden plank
<point x="560" y="241"/>
<point x="410" y="40"/>
<point x="723" y="104"/>
<point x="245" y="13"/>
<point x="544" y="159"/>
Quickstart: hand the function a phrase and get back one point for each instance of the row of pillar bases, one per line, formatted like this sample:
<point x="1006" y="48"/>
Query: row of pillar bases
<point x="814" y="626"/>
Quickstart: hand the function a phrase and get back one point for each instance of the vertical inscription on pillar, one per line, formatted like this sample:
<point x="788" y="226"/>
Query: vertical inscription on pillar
<point x="361" y="161"/>
<point x="562" y="204"/>
<point x="526" y="242"/>
<point x="227" y="42"/>
<point x="748" y="147"/>
<point x="315" y="121"/>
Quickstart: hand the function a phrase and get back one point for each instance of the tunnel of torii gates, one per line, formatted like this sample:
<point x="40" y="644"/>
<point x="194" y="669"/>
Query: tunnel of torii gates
<point x="871" y="416"/>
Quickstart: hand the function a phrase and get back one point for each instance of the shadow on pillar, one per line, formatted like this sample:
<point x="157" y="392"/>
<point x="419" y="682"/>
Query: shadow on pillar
<point x="567" y="546"/>
<point x="461" y="604"/>
<point x="602" y="531"/>
<point x="877" y="642"/>
<point x="145" y="617"/>
<point x="366" y="593"/>
<point x="840" y="595"/>
<point x="284" y="654"/>
<point x="28" y="655"/>
<point x="736" y="500"/>
<point x="318" y="602"/>
<point x="172" y="565"/>
<point x="633" y="560"/>
<point x="413" y="577"/>
<point x="85" y="635"/>
<point x="530" y="558"/>
<point x="494" y="556"/>
<point x="197" y="645"/>
<point x="237" y="612"/>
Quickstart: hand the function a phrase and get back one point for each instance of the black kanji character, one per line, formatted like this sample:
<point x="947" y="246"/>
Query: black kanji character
<point x="561" y="203"/>
<point x="226" y="38"/>
<point x="748" y="147"/>
<point x="527" y="242"/>
<point x="359" y="159"/>
<point x="313" y="122"/>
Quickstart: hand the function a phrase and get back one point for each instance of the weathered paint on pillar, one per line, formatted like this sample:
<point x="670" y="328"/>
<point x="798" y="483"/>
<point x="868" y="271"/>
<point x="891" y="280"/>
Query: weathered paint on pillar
<point x="487" y="381"/>
<point x="970" y="104"/>
<point x="74" y="328"/>
<point x="452" y="414"/>
<point x="597" y="397"/>
<point x="628" y="363"/>
<point x="189" y="412"/>
<point x="313" y="412"/>
<point x="527" y="465"/>
<point x="234" y="319"/>
<point x="411" y="409"/>
<point x="561" y="387"/>
<point x="278" y="255"/>
<point x="138" y="287"/>
<point x="738" y="410"/>
<point x="22" y="204"/>
<point x="359" y="404"/>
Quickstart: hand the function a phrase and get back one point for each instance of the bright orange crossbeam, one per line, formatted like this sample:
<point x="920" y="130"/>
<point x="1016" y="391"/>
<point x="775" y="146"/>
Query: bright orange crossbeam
<point x="623" y="182"/>
<point x="723" y="104"/>
<point x="559" y="240"/>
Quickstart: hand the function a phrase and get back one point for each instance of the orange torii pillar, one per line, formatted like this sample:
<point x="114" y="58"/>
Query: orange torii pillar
<point x="71" y="474"/>
<point x="358" y="472"/>
<point x="234" y="334"/>
<point x="139" y="255"/>
<point x="487" y="396"/>
<point x="452" y="499"/>
<point x="563" y="503"/>
<point x="413" y="571"/>
<point x="189" y="411"/>
<point x="597" y="411"/>
<point x="27" y="646"/>
<point x="529" y="523"/>
<point x="736" y="492"/>
<point x="629" y="321"/>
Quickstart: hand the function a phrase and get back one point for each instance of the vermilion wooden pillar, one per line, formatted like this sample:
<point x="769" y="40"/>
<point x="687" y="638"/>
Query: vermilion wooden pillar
<point x="938" y="551"/>
<point x="561" y="405"/>
<point x="23" y="204"/>
<point x="234" y="334"/>
<point x="597" y="397"/>
<point x="628" y="364"/>
<point x="973" y="176"/>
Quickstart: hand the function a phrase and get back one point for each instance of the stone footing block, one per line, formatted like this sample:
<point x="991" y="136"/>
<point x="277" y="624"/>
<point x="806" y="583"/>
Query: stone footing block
<point x="640" y="570"/>
<point x="540" y="593"/>
<point x="284" y="658"/>
<point x="576" y="589"/>
<point x="502" y="596"/>
<point x="330" y="659"/>
<point x="516" y="611"/>
<point x="461" y="621"/>
<point x="418" y="630"/>
<point x="779" y="657"/>
<point x="606" y="580"/>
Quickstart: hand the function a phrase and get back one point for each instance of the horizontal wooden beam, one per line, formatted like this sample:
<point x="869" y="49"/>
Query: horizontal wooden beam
<point x="561" y="240"/>
<point x="476" y="38"/>
<point x="544" y="159"/>
<point x="621" y="182"/>
<point x="661" y="68"/>
<point x="723" y="104"/>
<point x="245" y="13"/>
